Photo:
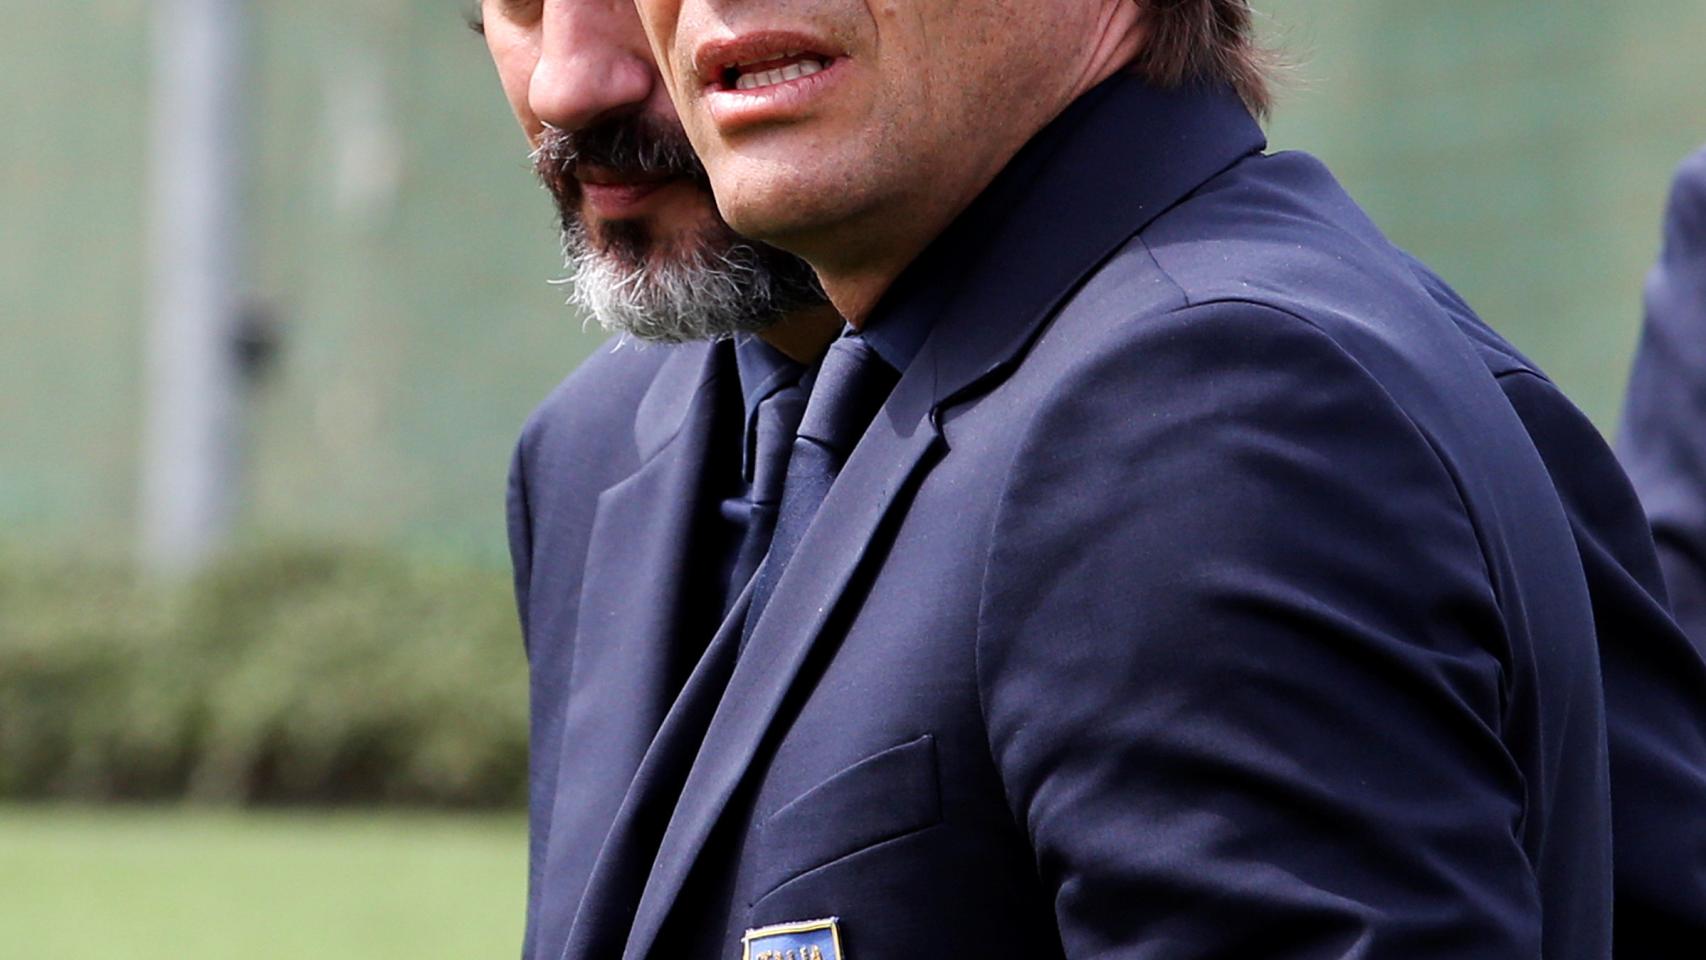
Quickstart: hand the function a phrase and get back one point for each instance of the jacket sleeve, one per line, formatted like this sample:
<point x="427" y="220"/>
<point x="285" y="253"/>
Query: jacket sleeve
<point x="1241" y="664"/>
<point x="1663" y="439"/>
<point x="1655" y="684"/>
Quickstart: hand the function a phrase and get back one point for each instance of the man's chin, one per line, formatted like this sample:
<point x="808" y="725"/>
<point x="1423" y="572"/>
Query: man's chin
<point x="707" y="284"/>
<point x="624" y="244"/>
<point x="678" y="216"/>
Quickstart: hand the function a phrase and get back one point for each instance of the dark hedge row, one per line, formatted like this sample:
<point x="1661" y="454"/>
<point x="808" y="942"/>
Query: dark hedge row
<point x="283" y="676"/>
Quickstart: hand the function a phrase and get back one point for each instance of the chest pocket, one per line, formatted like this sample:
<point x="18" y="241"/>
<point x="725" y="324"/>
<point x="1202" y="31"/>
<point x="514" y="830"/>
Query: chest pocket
<point x="880" y="798"/>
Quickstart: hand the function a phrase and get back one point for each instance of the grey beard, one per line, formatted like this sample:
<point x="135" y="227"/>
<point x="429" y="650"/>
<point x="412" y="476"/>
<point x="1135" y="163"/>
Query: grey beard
<point x="716" y="287"/>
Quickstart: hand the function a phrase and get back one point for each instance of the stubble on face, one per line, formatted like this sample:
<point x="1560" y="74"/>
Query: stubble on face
<point x="909" y="110"/>
<point x="699" y="282"/>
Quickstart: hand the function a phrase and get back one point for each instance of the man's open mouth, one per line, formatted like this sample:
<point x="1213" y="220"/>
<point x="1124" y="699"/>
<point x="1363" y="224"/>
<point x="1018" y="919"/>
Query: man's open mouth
<point x="772" y="71"/>
<point x="756" y="61"/>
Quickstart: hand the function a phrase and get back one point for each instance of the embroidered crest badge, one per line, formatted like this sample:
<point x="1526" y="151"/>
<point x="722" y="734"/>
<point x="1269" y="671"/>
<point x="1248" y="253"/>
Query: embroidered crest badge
<point x="803" y="940"/>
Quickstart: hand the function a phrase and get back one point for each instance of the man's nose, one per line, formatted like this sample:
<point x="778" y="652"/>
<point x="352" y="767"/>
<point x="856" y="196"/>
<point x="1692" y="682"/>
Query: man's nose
<point x="593" y="64"/>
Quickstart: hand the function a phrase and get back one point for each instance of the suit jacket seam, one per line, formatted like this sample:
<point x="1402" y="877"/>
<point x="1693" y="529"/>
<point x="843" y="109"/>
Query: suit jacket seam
<point x="1528" y="372"/>
<point x="1185" y="299"/>
<point x="1506" y="655"/>
<point x="1191" y="302"/>
<point x="1427" y="438"/>
<point x="989" y="537"/>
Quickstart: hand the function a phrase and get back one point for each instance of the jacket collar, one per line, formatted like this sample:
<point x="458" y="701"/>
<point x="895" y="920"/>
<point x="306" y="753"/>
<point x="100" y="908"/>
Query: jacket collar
<point x="1112" y="162"/>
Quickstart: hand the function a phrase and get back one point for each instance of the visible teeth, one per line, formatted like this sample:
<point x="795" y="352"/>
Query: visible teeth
<point x="783" y="56"/>
<point x="768" y="78"/>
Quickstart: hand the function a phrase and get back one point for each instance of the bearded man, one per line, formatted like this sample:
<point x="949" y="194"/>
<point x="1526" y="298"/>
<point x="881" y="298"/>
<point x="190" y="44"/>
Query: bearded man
<point x="644" y="488"/>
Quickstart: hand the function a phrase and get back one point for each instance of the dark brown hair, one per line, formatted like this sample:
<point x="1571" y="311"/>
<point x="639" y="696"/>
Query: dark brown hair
<point x="1213" y="41"/>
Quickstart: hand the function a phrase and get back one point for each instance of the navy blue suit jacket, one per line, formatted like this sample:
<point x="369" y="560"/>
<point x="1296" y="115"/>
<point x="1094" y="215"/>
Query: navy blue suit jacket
<point x="1663" y="439"/>
<point x="1212" y="584"/>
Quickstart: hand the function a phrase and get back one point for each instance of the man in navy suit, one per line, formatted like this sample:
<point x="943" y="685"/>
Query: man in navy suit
<point x="1663" y="440"/>
<point x="1209" y="582"/>
<point x="648" y="461"/>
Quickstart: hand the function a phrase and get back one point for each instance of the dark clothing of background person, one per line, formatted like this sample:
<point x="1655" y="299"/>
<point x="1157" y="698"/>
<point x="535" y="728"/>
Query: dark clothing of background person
<point x="1211" y="584"/>
<point x="1663" y="438"/>
<point x="1655" y="681"/>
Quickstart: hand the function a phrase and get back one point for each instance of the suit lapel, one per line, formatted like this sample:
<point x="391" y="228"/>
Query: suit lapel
<point x="865" y="492"/>
<point x="635" y="634"/>
<point x="604" y="918"/>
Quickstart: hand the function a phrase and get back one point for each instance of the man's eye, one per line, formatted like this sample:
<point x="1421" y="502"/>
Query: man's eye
<point x="476" y="22"/>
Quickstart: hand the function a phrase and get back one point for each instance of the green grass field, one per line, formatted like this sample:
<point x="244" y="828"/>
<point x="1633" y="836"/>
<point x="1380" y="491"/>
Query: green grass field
<point x="139" y="885"/>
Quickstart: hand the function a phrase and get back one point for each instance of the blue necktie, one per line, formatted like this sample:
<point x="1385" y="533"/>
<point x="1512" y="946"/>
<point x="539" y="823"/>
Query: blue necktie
<point x="851" y="386"/>
<point x="775" y="423"/>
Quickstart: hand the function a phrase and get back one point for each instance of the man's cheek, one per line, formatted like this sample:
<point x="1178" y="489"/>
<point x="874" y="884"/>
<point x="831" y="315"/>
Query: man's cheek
<point x="514" y="75"/>
<point x="658" y="21"/>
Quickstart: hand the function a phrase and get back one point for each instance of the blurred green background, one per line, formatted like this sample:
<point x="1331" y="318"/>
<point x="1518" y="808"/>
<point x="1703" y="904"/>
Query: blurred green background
<point x="1522" y="149"/>
<point x="356" y="648"/>
<point x="169" y="885"/>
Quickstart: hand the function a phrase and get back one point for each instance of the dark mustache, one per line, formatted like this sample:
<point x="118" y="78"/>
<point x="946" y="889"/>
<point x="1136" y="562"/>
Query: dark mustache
<point x="635" y="145"/>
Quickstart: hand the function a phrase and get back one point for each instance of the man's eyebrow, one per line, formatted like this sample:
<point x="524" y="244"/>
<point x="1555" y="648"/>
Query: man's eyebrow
<point x="475" y="20"/>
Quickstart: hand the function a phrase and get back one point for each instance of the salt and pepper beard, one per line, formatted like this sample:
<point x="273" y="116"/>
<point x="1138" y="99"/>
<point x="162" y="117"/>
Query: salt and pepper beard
<point x="707" y="285"/>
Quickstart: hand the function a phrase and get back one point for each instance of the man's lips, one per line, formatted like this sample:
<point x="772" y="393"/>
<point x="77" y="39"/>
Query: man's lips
<point x="767" y="77"/>
<point x="768" y="58"/>
<point x="619" y="195"/>
<point x="596" y="176"/>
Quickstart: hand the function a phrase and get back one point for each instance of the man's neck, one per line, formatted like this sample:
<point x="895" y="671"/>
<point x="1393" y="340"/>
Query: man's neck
<point x="856" y="294"/>
<point x="857" y="274"/>
<point x="804" y="335"/>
